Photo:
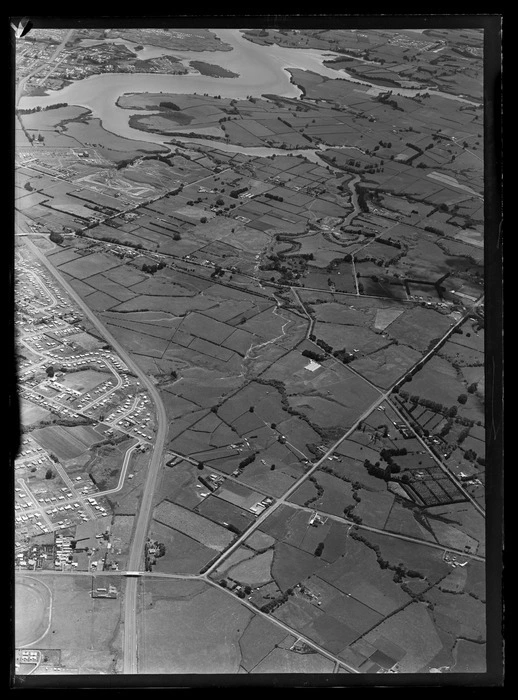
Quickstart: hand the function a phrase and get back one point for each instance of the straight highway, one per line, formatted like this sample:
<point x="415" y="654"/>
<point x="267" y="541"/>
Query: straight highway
<point x="139" y="537"/>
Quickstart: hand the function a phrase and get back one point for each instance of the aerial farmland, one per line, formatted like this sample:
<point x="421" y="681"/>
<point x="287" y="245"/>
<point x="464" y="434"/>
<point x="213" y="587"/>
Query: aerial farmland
<point x="250" y="314"/>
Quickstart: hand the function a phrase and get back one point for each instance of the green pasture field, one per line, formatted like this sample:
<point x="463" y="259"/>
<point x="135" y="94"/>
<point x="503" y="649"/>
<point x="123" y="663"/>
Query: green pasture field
<point x="207" y="328"/>
<point x="99" y="301"/>
<point x="413" y="630"/>
<point x="183" y="555"/>
<point x="470" y="657"/>
<point x="239" y="495"/>
<point x="225" y="513"/>
<point x="239" y="555"/>
<point x="298" y="613"/>
<point x="351" y="612"/>
<point x="313" y="538"/>
<point x="57" y="440"/>
<point x="358" y="574"/>
<point x="115" y="148"/>
<point x="122" y="236"/>
<point x="405" y="519"/>
<point x="330" y="632"/>
<point x="374" y="507"/>
<point x="88" y="265"/>
<point x="177" y="406"/>
<point x="165" y="283"/>
<point x="305" y="492"/>
<point x="341" y="336"/>
<point x="138" y="343"/>
<point x="179" y="485"/>
<point x="465" y="526"/>
<point x="239" y="341"/>
<point x="250" y="396"/>
<point x="51" y="118"/>
<point x="356" y="451"/>
<point x="426" y="259"/>
<point x="33" y="610"/>
<point x="113" y="289"/>
<point x="297" y="527"/>
<point x="275" y="483"/>
<point x="299" y="435"/>
<point x="463" y="356"/>
<point x="32" y="413"/>
<point x="437" y="381"/>
<point x="64" y="256"/>
<point x="74" y="608"/>
<point x="222" y="436"/>
<point x="193" y="525"/>
<point x="334" y="538"/>
<point x="202" y="387"/>
<point x="259" y="541"/>
<point x="277" y="524"/>
<point x="259" y="639"/>
<point x="286" y="661"/>
<point x="178" y="426"/>
<point x="426" y="561"/>
<point x="462" y="615"/>
<point x="84" y="433"/>
<point x="468" y="337"/>
<point x="332" y="384"/>
<point x="254" y="571"/>
<point x="292" y="565"/>
<point x="344" y="314"/>
<point x="208" y="423"/>
<point x="159" y="329"/>
<point x="210" y="349"/>
<point x="190" y="442"/>
<point x="189" y="627"/>
<point x="337" y="494"/>
<point x="176" y="305"/>
<point x="386" y="366"/>
<point x="227" y="465"/>
<point x="246" y="423"/>
<point x="86" y="341"/>
<point x="329" y="408"/>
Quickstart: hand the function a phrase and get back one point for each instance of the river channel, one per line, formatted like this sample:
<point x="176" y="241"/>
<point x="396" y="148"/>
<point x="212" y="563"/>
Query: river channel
<point x="261" y="70"/>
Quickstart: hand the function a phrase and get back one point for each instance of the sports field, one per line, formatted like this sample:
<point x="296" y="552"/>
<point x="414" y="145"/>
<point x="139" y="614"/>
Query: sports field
<point x="33" y="606"/>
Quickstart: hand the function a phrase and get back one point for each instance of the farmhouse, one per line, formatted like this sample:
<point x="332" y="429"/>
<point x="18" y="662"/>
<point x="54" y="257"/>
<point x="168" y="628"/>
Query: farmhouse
<point x="312" y="366"/>
<point x="257" y="508"/>
<point x="317" y="519"/>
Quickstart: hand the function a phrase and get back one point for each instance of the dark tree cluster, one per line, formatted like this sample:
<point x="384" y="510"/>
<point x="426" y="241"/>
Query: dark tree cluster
<point x="235" y="193"/>
<point x="151" y="269"/>
<point x="314" y="355"/>
<point x="247" y="460"/>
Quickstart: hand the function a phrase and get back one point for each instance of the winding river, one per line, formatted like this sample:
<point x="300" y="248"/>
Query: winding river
<point x="260" y="71"/>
